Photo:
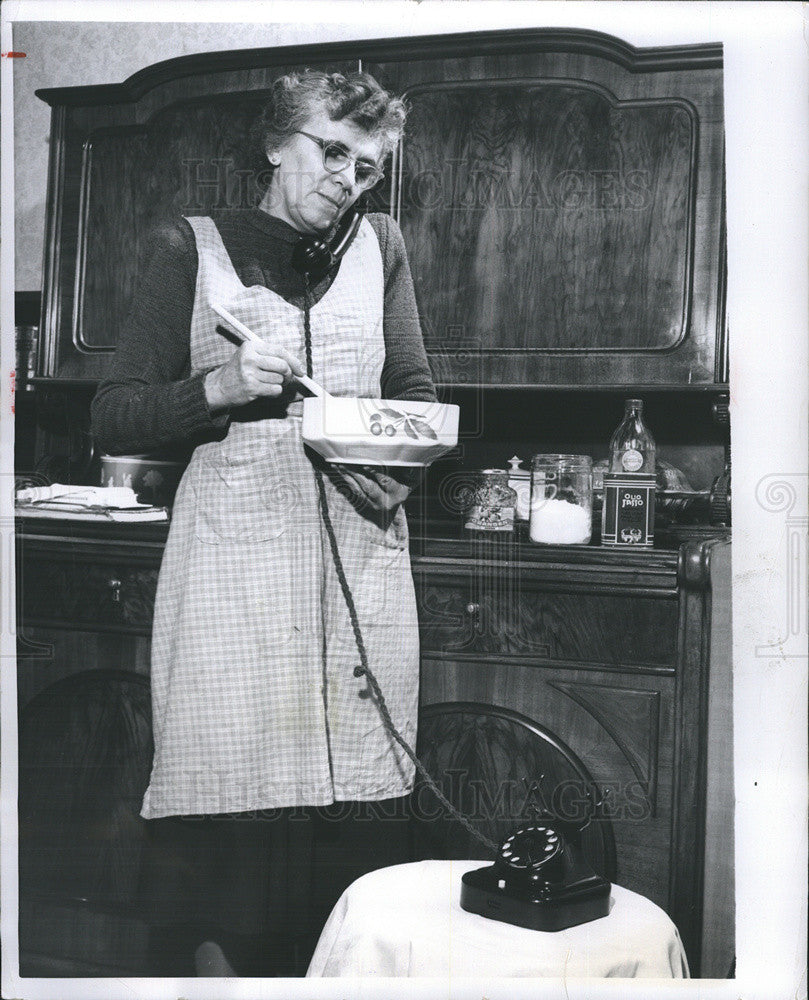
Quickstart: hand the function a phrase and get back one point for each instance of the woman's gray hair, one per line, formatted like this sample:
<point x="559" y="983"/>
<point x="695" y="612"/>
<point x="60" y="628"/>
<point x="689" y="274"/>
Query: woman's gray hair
<point x="356" y="98"/>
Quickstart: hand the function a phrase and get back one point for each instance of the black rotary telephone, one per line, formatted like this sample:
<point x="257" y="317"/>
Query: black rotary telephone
<point x="540" y="879"/>
<point x="314" y="256"/>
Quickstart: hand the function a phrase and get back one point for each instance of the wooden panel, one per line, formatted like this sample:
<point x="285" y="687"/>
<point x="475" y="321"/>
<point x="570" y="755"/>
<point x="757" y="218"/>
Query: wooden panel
<point x="632" y="719"/>
<point x="642" y="831"/>
<point x="625" y="175"/>
<point x="191" y="159"/>
<point x="501" y="616"/>
<point x="718" y="939"/>
<point x="61" y="249"/>
<point x="85" y="751"/>
<point x="691" y="749"/>
<point x="564" y="216"/>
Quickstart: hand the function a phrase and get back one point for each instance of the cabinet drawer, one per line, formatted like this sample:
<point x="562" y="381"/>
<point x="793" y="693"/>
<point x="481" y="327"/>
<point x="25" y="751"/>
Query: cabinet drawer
<point x="600" y="629"/>
<point x="80" y="594"/>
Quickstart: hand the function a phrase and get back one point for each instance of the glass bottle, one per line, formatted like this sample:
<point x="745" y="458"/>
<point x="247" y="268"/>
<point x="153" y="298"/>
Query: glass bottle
<point x="632" y="448"/>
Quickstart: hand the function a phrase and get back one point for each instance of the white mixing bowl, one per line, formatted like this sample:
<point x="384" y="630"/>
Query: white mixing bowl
<point x="356" y="431"/>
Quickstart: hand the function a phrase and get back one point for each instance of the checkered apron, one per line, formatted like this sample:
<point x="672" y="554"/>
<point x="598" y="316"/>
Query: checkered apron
<point x="255" y="704"/>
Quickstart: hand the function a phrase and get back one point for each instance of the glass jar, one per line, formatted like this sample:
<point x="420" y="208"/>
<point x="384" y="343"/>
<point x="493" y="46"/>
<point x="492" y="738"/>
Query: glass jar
<point x="561" y="499"/>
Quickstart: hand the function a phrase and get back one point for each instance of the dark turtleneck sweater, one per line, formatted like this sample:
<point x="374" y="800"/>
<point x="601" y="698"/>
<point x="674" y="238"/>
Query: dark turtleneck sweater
<point x="150" y="398"/>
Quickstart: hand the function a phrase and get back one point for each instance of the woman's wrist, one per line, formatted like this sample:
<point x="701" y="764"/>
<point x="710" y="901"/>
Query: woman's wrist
<point x="214" y="396"/>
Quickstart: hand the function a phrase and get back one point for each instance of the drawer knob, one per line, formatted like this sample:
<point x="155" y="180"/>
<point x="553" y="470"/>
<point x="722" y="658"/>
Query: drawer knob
<point x="473" y="609"/>
<point x="115" y="590"/>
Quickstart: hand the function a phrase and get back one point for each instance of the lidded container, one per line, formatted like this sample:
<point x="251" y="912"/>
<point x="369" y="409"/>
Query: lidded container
<point x="561" y="499"/>
<point x="520" y="481"/>
<point x="493" y="503"/>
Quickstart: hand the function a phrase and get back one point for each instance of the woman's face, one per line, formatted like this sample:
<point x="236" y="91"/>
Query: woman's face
<point x="302" y="192"/>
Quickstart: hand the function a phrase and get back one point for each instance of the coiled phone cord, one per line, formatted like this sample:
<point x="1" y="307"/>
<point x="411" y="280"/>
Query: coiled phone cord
<point x="364" y="670"/>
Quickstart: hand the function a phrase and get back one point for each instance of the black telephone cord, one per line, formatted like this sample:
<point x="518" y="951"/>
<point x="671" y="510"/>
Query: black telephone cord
<point x="364" y="670"/>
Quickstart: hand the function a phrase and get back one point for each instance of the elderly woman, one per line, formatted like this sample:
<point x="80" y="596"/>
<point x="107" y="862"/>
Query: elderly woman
<point x="256" y="703"/>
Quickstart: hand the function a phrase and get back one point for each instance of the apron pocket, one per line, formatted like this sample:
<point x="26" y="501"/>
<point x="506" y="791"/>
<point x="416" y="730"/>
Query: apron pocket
<point x="243" y="501"/>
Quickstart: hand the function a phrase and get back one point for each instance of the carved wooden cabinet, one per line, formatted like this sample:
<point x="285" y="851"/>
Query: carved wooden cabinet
<point x="609" y="654"/>
<point x="606" y="652"/>
<point x="559" y="191"/>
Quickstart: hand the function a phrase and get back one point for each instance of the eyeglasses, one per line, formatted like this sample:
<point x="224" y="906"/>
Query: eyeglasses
<point x="337" y="158"/>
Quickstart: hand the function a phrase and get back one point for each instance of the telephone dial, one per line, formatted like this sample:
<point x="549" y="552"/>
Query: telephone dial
<point x="540" y="879"/>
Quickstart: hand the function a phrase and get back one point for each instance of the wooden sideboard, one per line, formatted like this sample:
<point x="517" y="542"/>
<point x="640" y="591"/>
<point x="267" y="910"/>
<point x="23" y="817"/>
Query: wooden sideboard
<point x="606" y="652"/>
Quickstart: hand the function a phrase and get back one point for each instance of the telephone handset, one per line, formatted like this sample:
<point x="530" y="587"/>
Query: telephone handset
<point x="540" y="879"/>
<point x="314" y="256"/>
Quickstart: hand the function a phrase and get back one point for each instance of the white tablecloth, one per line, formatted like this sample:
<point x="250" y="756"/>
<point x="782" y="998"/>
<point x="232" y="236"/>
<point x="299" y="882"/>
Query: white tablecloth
<point x="407" y="921"/>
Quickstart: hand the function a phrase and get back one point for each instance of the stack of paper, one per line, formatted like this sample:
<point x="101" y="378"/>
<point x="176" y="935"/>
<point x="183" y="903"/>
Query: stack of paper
<point x="86" y="503"/>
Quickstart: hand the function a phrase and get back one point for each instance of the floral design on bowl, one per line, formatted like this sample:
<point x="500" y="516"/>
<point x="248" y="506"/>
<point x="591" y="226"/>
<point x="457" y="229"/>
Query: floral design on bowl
<point x="413" y="424"/>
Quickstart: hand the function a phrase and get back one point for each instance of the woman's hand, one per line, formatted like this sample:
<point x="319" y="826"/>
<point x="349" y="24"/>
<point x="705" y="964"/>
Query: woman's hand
<point x="382" y="489"/>
<point x="253" y="371"/>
